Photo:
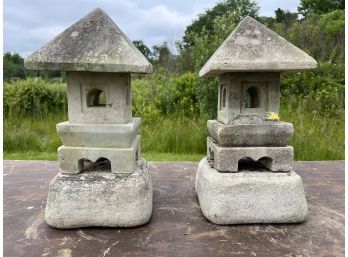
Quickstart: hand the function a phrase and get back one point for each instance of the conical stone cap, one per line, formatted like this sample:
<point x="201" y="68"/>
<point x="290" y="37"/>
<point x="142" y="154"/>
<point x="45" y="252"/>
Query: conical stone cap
<point x="252" y="47"/>
<point x="94" y="43"/>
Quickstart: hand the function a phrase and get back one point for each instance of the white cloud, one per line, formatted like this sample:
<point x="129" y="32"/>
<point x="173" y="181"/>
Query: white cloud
<point x="268" y="6"/>
<point x="160" y="24"/>
<point x="30" y="24"/>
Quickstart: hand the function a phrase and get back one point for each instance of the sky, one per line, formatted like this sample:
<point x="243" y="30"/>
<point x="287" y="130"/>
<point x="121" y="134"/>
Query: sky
<point x="28" y="25"/>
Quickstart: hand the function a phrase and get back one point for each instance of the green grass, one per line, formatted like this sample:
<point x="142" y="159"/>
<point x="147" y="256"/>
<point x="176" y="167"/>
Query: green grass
<point x="26" y="134"/>
<point x="175" y="157"/>
<point x="177" y="139"/>
<point x="315" y="137"/>
<point x="50" y="156"/>
<point x="177" y="135"/>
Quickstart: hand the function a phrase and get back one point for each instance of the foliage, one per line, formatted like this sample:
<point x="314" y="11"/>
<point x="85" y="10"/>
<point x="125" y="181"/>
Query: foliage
<point x="308" y="7"/>
<point x="34" y="97"/>
<point x="321" y="90"/>
<point x="13" y="66"/>
<point x="328" y="29"/>
<point x="285" y="17"/>
<point x="184" y="95"/>
<point x="205" y="43"/>
<point x="174" y="135"/>
<point x="207" y="92"/>
<point x="205" y="34"/>
<point x="160" y="56"/>
<point x="205" y="22"/>
<point x="316" y="137"/>
<point x="181" y="95"/>
<point x="14" y="69"/>
<point x="163" y="58"/>
<point x="163" y="95"/>
<point x="143" y="48"/>
<point x="25" y="134"/>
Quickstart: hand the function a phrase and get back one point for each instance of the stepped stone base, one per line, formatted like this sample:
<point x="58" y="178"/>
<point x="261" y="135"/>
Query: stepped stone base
<point x="225" y="159"/>
<point x="99" y="135"/>
<point x="250" y="197"/>
<point x="71" y="159"/>
<point x="266" y="133"/>
<point x="100" y="198"/>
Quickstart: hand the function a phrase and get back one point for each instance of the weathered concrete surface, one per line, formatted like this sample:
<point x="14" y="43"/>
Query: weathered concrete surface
<point x="123" y="160"/>
<point x="250" y="197"/>
<point x="100" y="198"/>
<point x="81" y="93"/>
<point x="233" y="91"/>
<point x="253" y="47"/>
<point x="99" y="135"/>
<point x="225" y="159"/>
<point x="267" y="133"/>
<point x="177" y="226"/>
<point x="94" y="43"/>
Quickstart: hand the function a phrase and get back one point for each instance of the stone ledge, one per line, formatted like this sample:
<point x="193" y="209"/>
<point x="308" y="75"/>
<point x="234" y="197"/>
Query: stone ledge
<point x="100" y="198"/>
<point x="250" y="197"/>
<point x="225" y="159"/>
<point x="267" y="133"/>
<point x="99" y="135"/>
<point x="122" y="160"/>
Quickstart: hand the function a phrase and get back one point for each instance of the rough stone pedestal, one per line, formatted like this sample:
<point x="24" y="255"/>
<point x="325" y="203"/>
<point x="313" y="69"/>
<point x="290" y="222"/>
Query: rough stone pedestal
<point x="250" y="197"/>
<point x="100" y="198"/>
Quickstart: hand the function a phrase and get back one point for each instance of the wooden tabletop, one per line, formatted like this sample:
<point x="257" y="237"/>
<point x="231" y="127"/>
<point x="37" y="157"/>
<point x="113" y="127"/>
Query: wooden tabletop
<point x="177" y="227"/>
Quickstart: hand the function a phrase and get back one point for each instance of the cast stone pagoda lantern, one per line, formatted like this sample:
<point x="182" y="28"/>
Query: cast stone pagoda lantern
<point x="248" y="174"/>
<point x="101" y="135"/>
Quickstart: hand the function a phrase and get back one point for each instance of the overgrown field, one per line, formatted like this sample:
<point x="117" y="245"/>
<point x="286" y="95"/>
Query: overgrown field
<point x="173" y="122"/>
<point x="315" y="138"/>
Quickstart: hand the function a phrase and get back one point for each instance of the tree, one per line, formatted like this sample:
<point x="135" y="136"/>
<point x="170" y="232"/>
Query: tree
<point x="307" y="7"/>
<point x="14" y="69"/>
<point x="279" y="15"/>
<point x="204" y="23"/>
<point x="206" y="33"/>
<point x="285" y="17"/>
<point x="321" y="36"/>
<point x="143" y="48"/>
<point x="163" y="57"/>
<point x="161" y="53"/>
<point x="13" y="66"/>
<point x="267" y="21"/>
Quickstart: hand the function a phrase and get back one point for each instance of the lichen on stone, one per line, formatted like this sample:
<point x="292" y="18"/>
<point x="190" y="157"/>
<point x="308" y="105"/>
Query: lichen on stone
<point x="273" y="116"/>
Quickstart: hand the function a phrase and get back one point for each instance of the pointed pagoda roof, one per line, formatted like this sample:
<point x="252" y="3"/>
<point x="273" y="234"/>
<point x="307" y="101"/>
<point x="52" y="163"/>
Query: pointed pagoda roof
<point x="253" y="47"/>
<point x="94" y="43"/>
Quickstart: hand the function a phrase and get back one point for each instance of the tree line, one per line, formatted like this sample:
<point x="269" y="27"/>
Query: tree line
<point x="317" y="27"/>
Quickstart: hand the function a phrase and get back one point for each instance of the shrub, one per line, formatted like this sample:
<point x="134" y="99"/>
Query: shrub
<point x="321" y="90"/>
<point x="34" y="97"/>
<point x="160" y="94"/>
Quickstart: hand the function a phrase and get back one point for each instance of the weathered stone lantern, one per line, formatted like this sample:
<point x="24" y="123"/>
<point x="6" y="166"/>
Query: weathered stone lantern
<point x="247" y="176"/>
<point x="101" y="134"/>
